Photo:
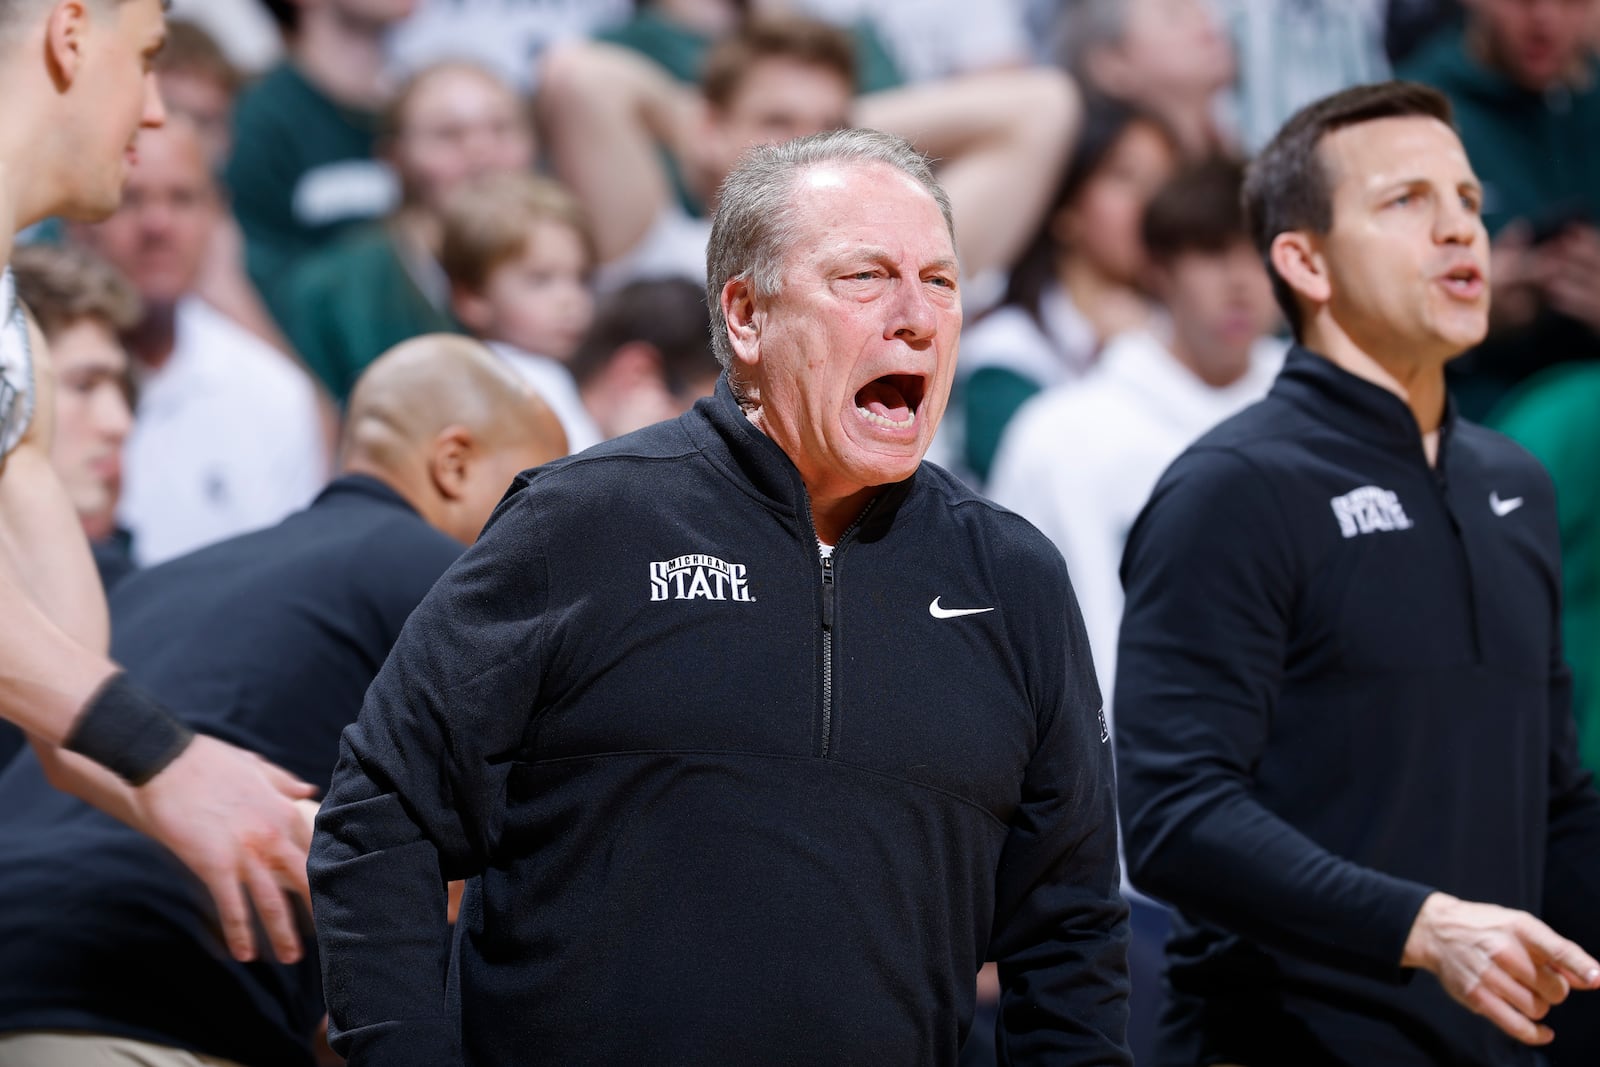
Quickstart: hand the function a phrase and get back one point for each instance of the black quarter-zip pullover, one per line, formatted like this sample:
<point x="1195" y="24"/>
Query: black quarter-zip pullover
<point x="1340" y="687"/>
<point x="716" y="803"/>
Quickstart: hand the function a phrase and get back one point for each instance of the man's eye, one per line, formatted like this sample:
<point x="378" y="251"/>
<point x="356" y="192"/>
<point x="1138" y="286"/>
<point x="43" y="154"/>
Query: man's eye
<point x="864" y="275"/>
<point x="941" y="280"/>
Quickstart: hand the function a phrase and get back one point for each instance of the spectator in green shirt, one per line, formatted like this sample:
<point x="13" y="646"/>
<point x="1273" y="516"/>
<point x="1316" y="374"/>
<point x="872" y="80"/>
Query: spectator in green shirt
<point x="351" y="302"/>
<point x="1524" y="82"/>
<point x="302" y="170"/>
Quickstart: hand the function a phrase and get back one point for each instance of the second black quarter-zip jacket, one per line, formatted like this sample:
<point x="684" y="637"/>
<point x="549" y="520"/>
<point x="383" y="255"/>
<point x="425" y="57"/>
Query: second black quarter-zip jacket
<point x="1340" y="687"/>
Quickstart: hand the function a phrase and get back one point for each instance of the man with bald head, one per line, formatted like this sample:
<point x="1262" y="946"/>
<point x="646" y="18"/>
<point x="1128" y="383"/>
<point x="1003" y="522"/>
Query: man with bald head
<point x="753" y="735"/>
<point x="227" y="436"/>
<point x="76" y="79"/>
<point x="268" y="640"/>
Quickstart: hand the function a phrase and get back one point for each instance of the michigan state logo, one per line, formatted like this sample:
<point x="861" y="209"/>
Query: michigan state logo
<point x="1369" y="510"/>
<point x="699" y="577"/>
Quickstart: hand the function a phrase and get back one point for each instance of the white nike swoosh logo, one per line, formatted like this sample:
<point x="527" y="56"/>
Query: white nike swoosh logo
<point x="952" y="613"/>
<point x="1503" y="507"/>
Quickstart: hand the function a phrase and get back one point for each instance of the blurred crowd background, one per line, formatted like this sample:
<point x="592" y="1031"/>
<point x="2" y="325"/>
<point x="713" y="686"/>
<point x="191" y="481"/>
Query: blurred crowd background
<point x="337" y="176"/>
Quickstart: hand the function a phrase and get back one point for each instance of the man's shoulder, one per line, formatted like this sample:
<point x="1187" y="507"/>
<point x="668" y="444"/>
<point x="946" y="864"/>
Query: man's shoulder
<point x="637" y="469"/>
<point x="955" y="515"/>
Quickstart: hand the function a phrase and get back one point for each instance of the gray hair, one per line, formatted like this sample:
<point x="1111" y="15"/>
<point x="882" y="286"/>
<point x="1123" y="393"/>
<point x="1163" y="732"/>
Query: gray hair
<point x="754" y="228"/>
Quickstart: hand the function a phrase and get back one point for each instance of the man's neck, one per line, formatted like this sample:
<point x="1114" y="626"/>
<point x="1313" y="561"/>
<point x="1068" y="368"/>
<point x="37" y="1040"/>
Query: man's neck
<point x="1419" y="381"/>
<point x="342" y="56"/>
<point x="152" y="342"/>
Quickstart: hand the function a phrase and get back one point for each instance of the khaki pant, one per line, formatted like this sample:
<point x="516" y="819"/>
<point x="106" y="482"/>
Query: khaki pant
<point x="45" y="1048"/>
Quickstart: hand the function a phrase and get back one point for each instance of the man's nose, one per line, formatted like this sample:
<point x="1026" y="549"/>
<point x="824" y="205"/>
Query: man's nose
<point x="155" y="111"/>
<point x="1456" y="223"/>
<point x="914" y="317"/>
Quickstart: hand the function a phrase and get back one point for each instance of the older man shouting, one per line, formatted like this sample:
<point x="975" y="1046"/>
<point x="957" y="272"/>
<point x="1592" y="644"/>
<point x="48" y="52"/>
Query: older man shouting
<point x="754" y="735"/>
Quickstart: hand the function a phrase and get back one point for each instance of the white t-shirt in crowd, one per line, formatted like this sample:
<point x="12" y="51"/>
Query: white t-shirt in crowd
<point x="227" y="438"/>
<point x="931" y="39"/>
<point x="551" y="379"/>
<point x="1079" y="461"/>
<point x="507" y="36"/>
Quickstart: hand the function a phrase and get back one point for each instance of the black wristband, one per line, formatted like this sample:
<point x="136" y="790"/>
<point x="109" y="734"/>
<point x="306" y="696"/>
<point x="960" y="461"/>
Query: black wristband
<point x="122" y="728"/>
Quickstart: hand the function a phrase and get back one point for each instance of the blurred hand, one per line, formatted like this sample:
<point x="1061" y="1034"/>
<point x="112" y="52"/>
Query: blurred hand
<point x="1516" y="273"/>
<point x="232" y="817"/>
<point x="1502" y="964"/>
<point x="1571" y="274"/>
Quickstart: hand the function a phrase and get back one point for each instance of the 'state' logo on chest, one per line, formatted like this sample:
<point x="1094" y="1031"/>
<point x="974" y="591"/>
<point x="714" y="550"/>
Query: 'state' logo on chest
<point x="1369" y="510"/>
<point x="699" y="577"/>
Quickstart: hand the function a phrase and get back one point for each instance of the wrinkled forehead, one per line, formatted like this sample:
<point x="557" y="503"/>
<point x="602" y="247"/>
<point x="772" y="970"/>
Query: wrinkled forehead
<point x="841" y="198"/>
<point x="1368" y="155"/>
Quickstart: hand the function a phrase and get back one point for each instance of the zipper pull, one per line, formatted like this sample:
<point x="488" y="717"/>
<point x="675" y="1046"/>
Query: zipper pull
<point x="827" y="592"/>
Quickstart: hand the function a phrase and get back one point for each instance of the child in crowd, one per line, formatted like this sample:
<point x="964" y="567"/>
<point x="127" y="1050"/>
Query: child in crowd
<point x="519" y="254"/>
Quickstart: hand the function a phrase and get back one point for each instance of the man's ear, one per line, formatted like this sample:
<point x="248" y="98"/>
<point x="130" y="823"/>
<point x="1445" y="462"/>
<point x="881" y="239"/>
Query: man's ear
<point x="744" y="317"/>
<point x="1299" y="261"/>
<point x="66" y="39"/>
<point x="450" y="460"/>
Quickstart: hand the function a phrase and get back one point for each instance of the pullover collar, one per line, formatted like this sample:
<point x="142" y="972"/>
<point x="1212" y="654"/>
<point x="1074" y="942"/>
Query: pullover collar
<point x="1330" y="394"/>
<point x="722" y="430"/>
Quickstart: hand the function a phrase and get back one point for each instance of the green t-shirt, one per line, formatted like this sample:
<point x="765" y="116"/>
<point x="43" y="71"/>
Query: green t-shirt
<point x="350" y="303"/>
<point x="301" y="174"/>
<point x="1556" y="416"/>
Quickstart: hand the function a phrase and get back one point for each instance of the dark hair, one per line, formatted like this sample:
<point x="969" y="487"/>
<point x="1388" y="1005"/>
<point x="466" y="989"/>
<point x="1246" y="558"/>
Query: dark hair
<point x="1288" y="186"/>
<point x="1105" y="121"/>
<point x="804" y="40"/>
<point x="1198" y="210"/>
<point x="669" y="314"/>
<point x="286" y="13"/>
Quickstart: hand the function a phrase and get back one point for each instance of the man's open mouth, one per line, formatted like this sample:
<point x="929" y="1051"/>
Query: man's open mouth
<point x="1464" y="279"/>
<point x="892" y="400"/>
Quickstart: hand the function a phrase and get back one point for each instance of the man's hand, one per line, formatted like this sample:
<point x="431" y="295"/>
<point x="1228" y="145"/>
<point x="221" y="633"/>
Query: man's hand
<point x="1502" y="964"/>
<point x="1516" y="273"/>
<point x="1571" y="274"/>
<point x="232" y="818"/>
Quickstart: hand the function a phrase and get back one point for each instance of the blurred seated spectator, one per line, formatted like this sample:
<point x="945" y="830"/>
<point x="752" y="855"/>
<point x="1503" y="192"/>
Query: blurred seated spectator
<point x="518" y="255"/>
<point x="1001" y="139"/>
<point x="302" y="169"/>
<point x="1524" y="81"/>
<point x="508" y="36"/>
<point x="198" y="81"/>
<point x="1169" y="57"/>
<point x="1076" y="285"/>
<point x="228" y="436"/>
<point x="1291" y="52"/>
<point x="1080" y="460"/>
<point x="80" y="303"/>
<point x="82" y="306"/>
<point x="380" y="285"/>
<point x="111" y="953"/>
<point x="933" y="39"/>
<point x="648" y="357"/>
<point x="677" y="34"/>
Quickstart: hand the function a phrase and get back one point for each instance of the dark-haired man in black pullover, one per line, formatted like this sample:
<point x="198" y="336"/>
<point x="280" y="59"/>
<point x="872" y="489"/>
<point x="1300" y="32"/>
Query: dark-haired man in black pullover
<point x="753" y="735"/>
<point x="1345" y="742"/>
